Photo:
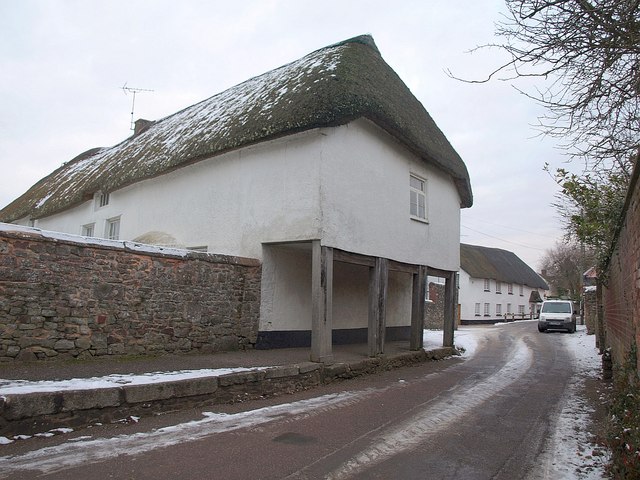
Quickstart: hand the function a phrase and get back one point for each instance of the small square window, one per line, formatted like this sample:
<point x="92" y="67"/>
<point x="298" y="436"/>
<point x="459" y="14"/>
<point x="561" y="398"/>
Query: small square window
<point x="88" y="230"/>
<point x="418" y="197"/>
<point x="102" y="199"/>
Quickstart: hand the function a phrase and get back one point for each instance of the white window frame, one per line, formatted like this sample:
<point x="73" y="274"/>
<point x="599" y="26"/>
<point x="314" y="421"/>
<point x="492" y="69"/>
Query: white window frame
<point x="487" y="285"/>
<point x="510" y="289"/>
<point x="477" y="309"/>
<point x="521" y="290"/>
<point x="498" y="309"/>
<point x="102" y="199"/>
<point x="521" y="309"/>
<point x="112" y="228"/>
<point x="417" y="198"/>
<point x="487" y="309"/>
<point x="89" y="230"/>
<point x="509" y="308"/>
<point x="498" y="286"/>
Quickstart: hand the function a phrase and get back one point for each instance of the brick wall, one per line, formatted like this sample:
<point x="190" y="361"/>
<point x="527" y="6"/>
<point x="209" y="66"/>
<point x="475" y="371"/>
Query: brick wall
<point x="621" y="297"/>
<point x="63" y="297"/>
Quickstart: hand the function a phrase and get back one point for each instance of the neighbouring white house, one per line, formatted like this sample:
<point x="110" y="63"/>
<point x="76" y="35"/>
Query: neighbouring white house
<point x="326" y="169"/>
<point x="496" y="285"/>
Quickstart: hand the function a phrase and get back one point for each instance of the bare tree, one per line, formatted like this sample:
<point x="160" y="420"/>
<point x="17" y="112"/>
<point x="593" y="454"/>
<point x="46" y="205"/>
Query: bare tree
<point x="587" y="55"/>
<point x="563" y="267"/>
<point x="588" y="51"/>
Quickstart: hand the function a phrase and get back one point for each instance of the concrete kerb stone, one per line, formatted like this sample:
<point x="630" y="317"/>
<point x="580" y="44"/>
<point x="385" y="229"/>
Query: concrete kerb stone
<point x="17" y="409"/>
<point x="176" y="389"/>
<point x="281" y="372"/>
<point x="75" y="400"/>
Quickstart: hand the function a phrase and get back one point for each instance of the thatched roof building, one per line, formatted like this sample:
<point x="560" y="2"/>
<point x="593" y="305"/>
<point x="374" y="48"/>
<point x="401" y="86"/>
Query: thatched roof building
<point x="329" y="87"/>
<point x="498" y="264"/>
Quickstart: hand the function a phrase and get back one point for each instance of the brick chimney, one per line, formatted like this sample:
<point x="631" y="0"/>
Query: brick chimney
<point x="141" y="125"/>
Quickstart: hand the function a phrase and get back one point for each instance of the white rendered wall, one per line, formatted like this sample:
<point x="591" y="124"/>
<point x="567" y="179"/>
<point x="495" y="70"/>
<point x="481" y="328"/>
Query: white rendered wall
<point x="286" y="292"/>
<point x="347" y="186"/>
<point x="366" y="205"/>
<point x="230" y="204"/>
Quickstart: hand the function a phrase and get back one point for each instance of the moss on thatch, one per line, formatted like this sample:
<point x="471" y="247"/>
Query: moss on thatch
<point x="329" y="87"/>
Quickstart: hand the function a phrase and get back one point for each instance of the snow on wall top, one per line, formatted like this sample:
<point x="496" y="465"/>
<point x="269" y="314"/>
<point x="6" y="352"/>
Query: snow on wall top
<point x="329" y="87"/>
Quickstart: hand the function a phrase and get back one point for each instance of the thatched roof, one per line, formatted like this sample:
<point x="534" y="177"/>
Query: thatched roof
<point x="497" y="264"/>
<point x="329" y="87"/>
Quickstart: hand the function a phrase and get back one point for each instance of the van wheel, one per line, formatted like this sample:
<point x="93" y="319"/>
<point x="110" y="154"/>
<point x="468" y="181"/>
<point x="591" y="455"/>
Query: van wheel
<point x="541" y="330"/>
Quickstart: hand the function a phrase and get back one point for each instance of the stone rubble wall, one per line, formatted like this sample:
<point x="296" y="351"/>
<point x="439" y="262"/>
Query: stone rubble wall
<point x="65" y="297"/>
<point x="434" y="308"/>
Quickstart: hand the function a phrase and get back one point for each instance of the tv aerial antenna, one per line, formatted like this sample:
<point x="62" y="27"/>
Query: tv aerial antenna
<point x="134" y="91"/>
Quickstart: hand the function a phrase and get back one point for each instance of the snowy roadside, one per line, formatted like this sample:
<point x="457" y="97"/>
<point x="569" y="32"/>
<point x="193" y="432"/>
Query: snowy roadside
<point x="570" y="451"/>
<point x="432" y="339"/>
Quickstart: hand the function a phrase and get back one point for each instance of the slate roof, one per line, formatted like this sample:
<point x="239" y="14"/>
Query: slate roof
<point x="329" y="87"/>
<point x="497" y="264"/>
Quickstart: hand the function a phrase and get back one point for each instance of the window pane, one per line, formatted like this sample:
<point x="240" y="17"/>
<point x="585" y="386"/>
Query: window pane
<point x="414" y="203"/>
<point x="417" y="184"/>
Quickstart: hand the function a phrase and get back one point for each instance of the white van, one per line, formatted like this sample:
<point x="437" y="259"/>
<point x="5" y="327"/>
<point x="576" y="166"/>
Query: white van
<point x="557" y="315"/>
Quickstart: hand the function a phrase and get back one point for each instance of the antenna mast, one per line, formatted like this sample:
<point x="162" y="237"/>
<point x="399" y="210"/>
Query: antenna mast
<point x="126" y="89"/>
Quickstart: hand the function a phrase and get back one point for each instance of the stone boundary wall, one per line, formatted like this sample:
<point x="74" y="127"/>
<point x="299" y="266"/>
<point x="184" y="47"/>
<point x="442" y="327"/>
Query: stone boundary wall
<point x="621" y="295"/>
<point x="590" y="311"/>
<point x="68" y="296"/>
<point x="434" y="309"/>
<point x="29" y="413"/>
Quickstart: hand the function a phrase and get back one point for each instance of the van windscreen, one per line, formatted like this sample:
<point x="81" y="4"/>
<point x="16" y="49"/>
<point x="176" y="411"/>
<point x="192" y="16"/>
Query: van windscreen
<point x="560" y="307"/>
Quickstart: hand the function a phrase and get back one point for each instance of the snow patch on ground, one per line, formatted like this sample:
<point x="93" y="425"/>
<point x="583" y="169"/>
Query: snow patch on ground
<point x="13" y="387"/>
<point x="571" y="453"/>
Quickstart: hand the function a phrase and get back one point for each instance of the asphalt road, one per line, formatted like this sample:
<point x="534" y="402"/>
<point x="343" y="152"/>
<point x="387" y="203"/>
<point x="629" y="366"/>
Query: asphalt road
<point x="486" y="417"/>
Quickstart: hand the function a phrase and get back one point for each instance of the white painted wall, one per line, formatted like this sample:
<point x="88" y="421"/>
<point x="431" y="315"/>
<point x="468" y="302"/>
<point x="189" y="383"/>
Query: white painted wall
<point x="286" y="292"/>
<point x="230" y="203"/>
<point x="365" y="200"/>
<point x="471" y="291"/>
<point x="346" y="186"/>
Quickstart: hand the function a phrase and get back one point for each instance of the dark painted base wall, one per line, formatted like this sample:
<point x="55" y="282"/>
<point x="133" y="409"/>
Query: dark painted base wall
<point x="302" y="338"/>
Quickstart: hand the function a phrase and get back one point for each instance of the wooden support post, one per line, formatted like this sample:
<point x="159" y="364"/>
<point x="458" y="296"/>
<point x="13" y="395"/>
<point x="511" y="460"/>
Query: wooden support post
<point x="321" y="303"/>
<point x="378" y="280"/>
<point x="416" y="341"/>
<point x="450" y="307"/>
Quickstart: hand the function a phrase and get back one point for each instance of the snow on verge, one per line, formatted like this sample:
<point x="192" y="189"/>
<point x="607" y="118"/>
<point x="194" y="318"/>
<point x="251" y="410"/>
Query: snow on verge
<point x="571" y="454"/>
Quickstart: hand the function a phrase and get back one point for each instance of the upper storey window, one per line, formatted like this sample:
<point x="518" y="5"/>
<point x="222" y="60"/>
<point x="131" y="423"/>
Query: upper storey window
<point x="418" y="197"/>
<point x="102" y="199"/>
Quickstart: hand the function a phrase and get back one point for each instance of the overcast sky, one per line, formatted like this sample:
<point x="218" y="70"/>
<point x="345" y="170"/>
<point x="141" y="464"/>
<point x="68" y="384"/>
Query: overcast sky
<point x="63" y="64"/>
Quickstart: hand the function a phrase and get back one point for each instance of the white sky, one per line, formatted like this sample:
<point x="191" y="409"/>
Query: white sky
<point x="63" y="64"/>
